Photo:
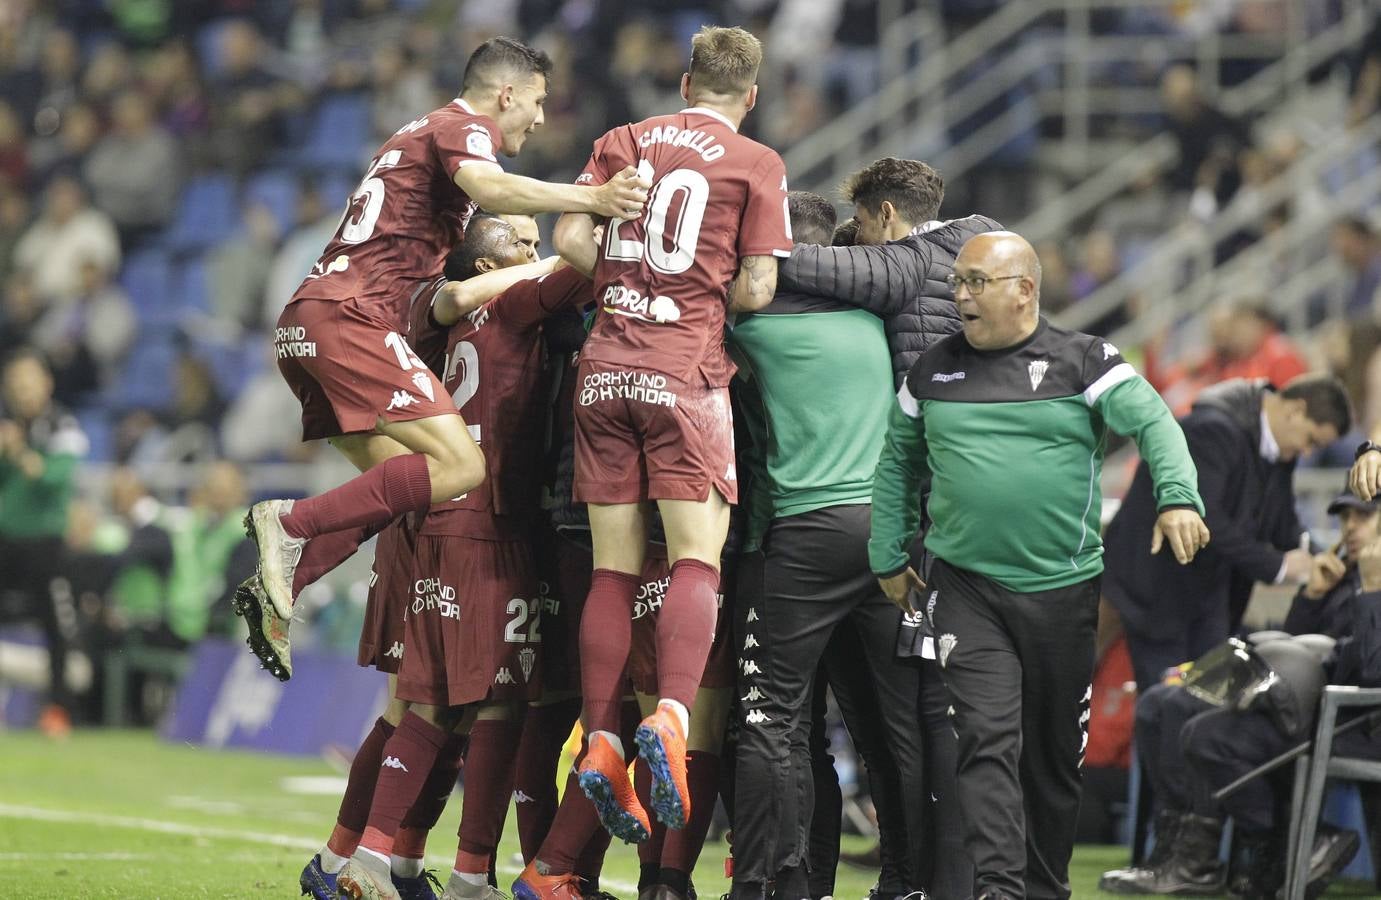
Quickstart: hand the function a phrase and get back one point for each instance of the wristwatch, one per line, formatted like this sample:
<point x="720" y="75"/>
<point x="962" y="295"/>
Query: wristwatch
<point x="1365" y="447"/>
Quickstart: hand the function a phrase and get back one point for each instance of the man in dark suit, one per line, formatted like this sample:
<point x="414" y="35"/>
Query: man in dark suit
<point x="1244" y="437"/>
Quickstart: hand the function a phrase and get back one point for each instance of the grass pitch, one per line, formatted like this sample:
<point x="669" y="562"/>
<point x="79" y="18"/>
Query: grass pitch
<point x="122" y="814"/>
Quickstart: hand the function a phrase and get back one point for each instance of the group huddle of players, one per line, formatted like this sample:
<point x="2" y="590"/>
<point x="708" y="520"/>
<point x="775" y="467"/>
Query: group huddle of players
<point x="499" y="613"/>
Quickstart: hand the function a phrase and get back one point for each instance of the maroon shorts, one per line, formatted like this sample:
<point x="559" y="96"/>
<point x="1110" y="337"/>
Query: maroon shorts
<point x="642" y="435"/>
<point x="474" y="623"/>
<point x="563" y="571"/>
<point x="349" y="367"/>
<point x="642" y="658"/>
<point x="381" y="638"/>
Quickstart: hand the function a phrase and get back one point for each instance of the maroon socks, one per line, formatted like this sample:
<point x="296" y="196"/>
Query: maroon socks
<point x="685" y="629"/>
<point x="408" y="758"/>
<point x="400" y="484"/>
<point x="606" y="632"/>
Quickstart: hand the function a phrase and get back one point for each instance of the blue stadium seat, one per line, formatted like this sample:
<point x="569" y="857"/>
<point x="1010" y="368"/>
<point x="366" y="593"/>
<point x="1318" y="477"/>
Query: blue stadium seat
<point x="233" y="365"/>
<point x="95" y="422"/>
<point x="277" y="190"/>
<point x="147" y="277"/>
<point x="147" y="379"/>
<point x="192" y="292"/>
<point x="209" y="46"/>
<point x="340" y="135"/>
<point x="207" y="213"/>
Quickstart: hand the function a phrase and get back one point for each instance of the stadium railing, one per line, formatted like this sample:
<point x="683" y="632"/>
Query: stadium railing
<point x="1179" y="278"/>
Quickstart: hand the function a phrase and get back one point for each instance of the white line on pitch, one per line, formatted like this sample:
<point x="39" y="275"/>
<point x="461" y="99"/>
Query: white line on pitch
<point x="41" y="814"/>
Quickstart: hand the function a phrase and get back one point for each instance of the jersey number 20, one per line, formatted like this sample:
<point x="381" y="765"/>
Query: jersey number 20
<point x="691" y="188"/>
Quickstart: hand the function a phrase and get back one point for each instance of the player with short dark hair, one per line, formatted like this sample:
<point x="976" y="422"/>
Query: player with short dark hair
<point x="891" y="189"/>
<point x="339" y="340"/>
<point x="473" y="616"/>
<point x="652" y="418"/>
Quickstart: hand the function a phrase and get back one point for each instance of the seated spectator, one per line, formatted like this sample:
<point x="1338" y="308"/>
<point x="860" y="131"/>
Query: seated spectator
<point x="249" y="100"/>
<point x="134" y="171"/>
<point x="14" y="150"/>
<point x="1190" y="748"/>
<point x="1245" y="341"/>
<point x="62" y="150"/>
<point x="1358" y="247"/>
<point x="14" y="219"/>
<point x="1209" y="142"/>
<point x="67" y="234"/>
<point x="87" y="338"/>
<point x="237" y="272"/>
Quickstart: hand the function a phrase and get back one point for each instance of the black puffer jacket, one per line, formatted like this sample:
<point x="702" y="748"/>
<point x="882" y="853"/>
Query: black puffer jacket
<point x="903" y="282"/>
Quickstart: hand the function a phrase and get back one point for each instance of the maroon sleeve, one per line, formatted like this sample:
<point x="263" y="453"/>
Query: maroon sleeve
<point x="427" y="338"/>
<point x="527" y="303"/>
<point x="766" y="225"/>
<point x="612" y="152"/>
<point x="466" y="142"/>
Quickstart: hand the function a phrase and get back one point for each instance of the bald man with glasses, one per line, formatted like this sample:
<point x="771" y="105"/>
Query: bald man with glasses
<point x="1009" y="418"/>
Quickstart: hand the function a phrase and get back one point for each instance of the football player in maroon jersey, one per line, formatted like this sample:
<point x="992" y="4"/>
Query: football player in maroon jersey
<point x="340" y="339"/>
<point x="652" y="410"/>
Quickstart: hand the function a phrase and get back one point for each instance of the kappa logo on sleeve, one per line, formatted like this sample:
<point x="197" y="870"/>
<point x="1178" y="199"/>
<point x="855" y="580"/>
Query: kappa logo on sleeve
<point x="1109" y="351"/>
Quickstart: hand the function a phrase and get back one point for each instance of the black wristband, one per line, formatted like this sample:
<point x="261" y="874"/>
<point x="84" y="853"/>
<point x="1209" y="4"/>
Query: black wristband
<point x="1365" y="447"/>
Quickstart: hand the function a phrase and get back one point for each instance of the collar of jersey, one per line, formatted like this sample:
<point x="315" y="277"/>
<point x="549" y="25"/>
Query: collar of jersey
<point x="1041" y="325"/>
<point x="465" y="106"/>
<point x="712" y="114"/>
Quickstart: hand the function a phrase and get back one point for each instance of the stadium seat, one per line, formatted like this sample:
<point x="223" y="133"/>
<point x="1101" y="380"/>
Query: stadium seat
<point x="277" y="190"/>
<point x="339" y="138"/>
<point x="147" y="379"/>
<point x="147" y="278"/>
<point x="207" y="213"/>
<point x="209" y="46"/>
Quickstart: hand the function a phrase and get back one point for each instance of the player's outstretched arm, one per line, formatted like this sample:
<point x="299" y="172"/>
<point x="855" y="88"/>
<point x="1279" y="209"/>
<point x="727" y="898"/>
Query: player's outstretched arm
<point x="755" y="284"/>
<point x="458" y="299"/>
<point x="498" y="191"/>
<point x="574" y="239"/>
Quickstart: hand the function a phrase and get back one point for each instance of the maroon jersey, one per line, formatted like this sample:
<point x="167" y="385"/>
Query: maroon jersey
<point x="407" y="213"/>
<point x="491" y="363"/>
<point x="662" y="281"/>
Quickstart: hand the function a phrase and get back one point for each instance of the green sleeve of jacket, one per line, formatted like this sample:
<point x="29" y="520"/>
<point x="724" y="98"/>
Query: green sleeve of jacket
<point x="1135" y="410"/>
<point x="901" y="469"/>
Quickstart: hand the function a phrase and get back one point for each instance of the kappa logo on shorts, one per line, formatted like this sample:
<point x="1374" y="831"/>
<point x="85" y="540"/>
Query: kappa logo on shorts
<point x="423" y="382"/>
<point x="947" y="644"/>
<point x="749" y="667"/>
<point x="503" y="676"/>
<point x="527" y="658"/>
<point x="520" y="797"/>
<point x="401" y="400"/>
<point x="394" y="762"/>
<point x="750" y="642"/>
<point x="396" y="651"/>
<point x="754" y="695"/>
<point x="756" y="717"/>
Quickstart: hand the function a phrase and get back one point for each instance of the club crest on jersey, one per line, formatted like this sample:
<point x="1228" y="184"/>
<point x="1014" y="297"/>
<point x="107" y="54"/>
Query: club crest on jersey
<point x="527" y="657"/>
<point x="946" y="645"/>
<point x="424" y="384"/>
<point x="1036" y="370"/>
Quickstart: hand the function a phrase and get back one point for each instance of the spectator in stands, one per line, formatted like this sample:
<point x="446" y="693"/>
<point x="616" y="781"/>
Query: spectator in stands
<point x="400" y="89"/>
<point x="134" y="171"/>
<point x="108" y="72"/>
<point x="1209" y="142"/>
<point x="1245" y="341"/>
<point x="238" y="270"/>
<point x="62" y="151"/>
<point x="1244" y="438"/>
<point x="249" y="100"/>
<point x="1356" y="244"/>
<point x="1366" y="78"/>
<point x="87" y="338"/>
<point x="20" y="311"/>
<point x="263" y="421"/>
<point x="40" y="446"/>
<point x="60" y="74"/>
<point x="315" y="222"/>
<point x="210" y="550"/>
<point x="1099" y="264"/>
<point x="69" y="233"/>
<point x="14" y="150"/>
<point x="14" y="218"/>
<point x="139" y="592"/>
<point x="177" y="87"/>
